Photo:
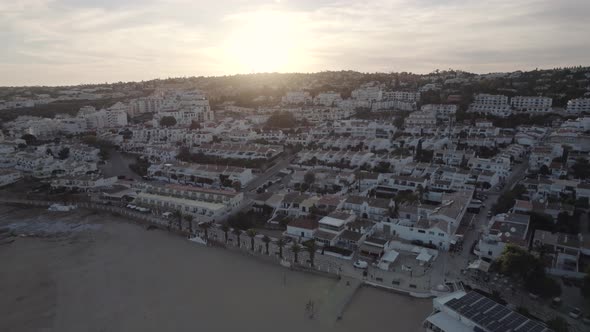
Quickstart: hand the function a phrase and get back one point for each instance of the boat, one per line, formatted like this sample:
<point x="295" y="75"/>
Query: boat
<point x="61" y="208"/>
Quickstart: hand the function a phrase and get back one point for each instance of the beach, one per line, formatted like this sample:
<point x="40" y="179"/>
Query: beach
<point x="83" y="271"/>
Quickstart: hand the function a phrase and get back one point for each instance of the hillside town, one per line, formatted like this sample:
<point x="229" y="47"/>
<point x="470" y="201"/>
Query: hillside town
<point x="471" y="189"/>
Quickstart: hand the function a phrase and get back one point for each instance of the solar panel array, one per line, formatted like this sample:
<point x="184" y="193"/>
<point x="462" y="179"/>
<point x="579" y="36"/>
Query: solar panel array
<point x="493" y="317"/>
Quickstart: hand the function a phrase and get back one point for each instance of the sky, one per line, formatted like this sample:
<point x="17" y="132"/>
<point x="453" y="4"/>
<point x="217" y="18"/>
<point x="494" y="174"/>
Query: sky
<point x="63" y="42"/>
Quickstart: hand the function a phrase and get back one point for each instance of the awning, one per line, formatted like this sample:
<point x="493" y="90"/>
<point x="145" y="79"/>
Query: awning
<point x="371" y="250"/>
<point x="424" y="256"/>
<point x="390" y="256"/>
<point x="479" y="265"/>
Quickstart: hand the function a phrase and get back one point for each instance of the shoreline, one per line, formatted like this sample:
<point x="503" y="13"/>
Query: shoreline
<point x="138" y="218"/>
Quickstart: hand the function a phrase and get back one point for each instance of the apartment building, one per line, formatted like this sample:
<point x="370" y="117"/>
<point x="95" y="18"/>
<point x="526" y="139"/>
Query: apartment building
<point x="205" y="204"/>
<point x="578" y="105"/>
<point x="297" y="98"/>
<point x="532" y="104"/>
<point x="327" y="99"/>
<point x="496" y="105"/>
<point x="442" y="111"/>
<point x="187" y="173"/>
<point x="239" y="151"/>
<point x="368" y="92"/>
<point x="422" y="119"/>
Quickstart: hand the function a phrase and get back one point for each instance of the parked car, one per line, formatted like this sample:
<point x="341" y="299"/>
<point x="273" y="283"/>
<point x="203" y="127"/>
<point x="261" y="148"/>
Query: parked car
<point x="360" y="264"/>
<point x="575" y="313"/>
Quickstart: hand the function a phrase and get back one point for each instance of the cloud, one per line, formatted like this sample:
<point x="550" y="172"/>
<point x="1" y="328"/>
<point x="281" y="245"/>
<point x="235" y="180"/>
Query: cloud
<point x="75" y="41"/>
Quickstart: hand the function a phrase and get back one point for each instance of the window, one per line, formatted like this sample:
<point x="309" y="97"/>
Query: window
<point x="441" y="234"/>
<point x="421" y="231"/>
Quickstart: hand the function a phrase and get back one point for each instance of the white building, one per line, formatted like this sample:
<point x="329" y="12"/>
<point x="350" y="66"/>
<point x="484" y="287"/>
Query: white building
<point x="532" y="104"/>
<point x="297" y="98"/>
<point x="402" y="95"/>
<point x="367" y="92"/>
<point x="187" y="173"/>
<point x="327" y="99"/>
<point x="468" y="312"/>
<point x="204" y="204"/>
<point x="442" y="111"/>
<point x="503" y="229"/>
<point x="496" y="105"/>
<point x="578" y="105"/>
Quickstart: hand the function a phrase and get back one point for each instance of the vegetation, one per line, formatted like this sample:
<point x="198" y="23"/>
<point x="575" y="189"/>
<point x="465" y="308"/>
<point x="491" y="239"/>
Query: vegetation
<point x="522" y="265"/>
<point x="167" y="121"/>
<point x="140" y="166"/>
<point x="581" y="169"/>
<point x="311" y="247"/>
<point x="281" y="244"/>
<point x="252" y="235"/>
<point x="281" y="120"/>
<point x="225" y="229"/>
<point x="558" y="324"/>
<point x="506" y="200"/>
<point x="266" y="240"/>
<point x="296" y="249"/>
<point x="189" y="220"/>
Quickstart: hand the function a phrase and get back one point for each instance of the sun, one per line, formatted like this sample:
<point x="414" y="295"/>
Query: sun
<point x="265" y="42"/>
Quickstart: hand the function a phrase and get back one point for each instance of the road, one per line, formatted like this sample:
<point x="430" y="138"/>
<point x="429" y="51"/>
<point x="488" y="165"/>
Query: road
<point x="269" y="173"/>
<point x="455" y="262"/>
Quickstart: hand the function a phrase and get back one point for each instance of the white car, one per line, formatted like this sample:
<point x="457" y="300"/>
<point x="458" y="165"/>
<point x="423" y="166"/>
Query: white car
<point x="360" y="264"/>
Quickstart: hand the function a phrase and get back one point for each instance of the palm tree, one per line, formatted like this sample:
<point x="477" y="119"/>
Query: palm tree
<point x="281" y="243"/>
<point x="295" y="248"/>
<point x="252" y="234"/>
<point x="266" y="241"/>
<point x="176" y="215"/>
<point x="189" y="220"/>
<point x="205" y="227"/>
<point x="237" y="233"/>
<point x="225" y="230"/>
<point x="311" y="247"/>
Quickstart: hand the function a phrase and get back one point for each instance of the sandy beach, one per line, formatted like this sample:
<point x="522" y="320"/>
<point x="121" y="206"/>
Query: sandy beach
<point x="83" y="271"/>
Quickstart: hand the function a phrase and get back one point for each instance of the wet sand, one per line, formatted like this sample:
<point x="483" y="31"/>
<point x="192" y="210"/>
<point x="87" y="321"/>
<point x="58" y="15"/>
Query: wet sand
<point x="110" y="275"/>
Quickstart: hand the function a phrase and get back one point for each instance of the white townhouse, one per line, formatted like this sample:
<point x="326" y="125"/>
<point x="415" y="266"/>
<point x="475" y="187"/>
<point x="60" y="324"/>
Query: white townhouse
<point x="332" y="226"/>
<point x="205" y="204"/>
<point x="436" y="225"/>
<point x="543" y="155"/>
<point x="369" y="208"/>
<point x="532" y="104"/>
<point x="422" y="119"/>
<point x="239" y="151"/>
<point x="188" y="173"/>
<point x="83" y="183"/>
<point x="578" y="105"/>
<point x="442" y="111"/>
<point x="500" y="165"/>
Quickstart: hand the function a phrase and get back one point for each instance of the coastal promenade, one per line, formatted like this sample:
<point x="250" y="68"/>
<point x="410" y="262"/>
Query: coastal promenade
<point x="323" y="264"/>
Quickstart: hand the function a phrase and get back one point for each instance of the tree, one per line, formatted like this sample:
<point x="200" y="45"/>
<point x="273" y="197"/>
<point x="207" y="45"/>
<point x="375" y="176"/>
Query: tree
<point x="266" y="241"/>
<point x="295" y="248"/>
<point x="189" y="220"/>
<point x="225" y="229"/>
<point x="251" y="234"/>
<point x="195" y="125"/>
<point x="309" y="178"/>
<point x="205" y="227"/>
<point x="281" y="243"/>
<point x="237" y="233"/>
<point x="29" y="139"/>
<point x="586" y="285"/>
<point x="281" y="120"/>
<point x="558" y="324"/>
<point x="580" y="169"/>
<point x="64" y="153"/>
<point x="176" y="215"/>
<point x="544" y="170"/>
<point x="167" y="121"/>
<point x="311" y="247"/>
